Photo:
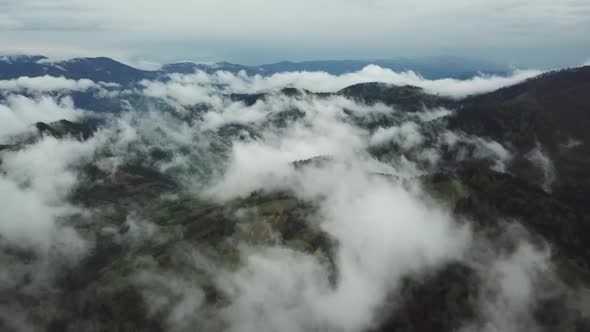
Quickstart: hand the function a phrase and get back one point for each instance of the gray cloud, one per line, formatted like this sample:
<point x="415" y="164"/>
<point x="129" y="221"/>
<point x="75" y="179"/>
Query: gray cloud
<point x="381" y="28"/>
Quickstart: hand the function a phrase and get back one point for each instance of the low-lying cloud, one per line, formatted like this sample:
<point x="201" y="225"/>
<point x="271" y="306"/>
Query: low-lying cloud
<point x="383" y="233"/>
<point x="324" y="82"/>
<point x="19" y="113"/>
<point x="383" y="228"/>
<point x="44" y="84"/>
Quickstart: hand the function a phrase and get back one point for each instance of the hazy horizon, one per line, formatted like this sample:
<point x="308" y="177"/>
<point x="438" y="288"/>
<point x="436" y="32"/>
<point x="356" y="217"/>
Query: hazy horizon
<point x="512" y="32"/>
<point x="151" y="64"/>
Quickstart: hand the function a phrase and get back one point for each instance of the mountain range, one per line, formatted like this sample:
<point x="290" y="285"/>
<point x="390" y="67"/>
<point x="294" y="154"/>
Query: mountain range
<point x="109" y="70"/>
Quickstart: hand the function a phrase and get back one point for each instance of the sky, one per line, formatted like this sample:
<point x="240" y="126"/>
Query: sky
<point x="532" y="33"/>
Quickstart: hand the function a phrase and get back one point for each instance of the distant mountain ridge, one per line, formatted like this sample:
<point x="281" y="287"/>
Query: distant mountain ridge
<point x="106" y="69"/>
<point x="96" y="69"/>
<point x="429" y="67"/>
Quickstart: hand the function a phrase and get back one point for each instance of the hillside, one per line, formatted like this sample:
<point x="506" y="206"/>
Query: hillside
<point x="551" y="111"/>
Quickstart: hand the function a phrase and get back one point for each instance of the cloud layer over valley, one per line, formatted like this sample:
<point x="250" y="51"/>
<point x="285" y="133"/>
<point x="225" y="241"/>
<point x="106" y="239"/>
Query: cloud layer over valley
<point x="324" y="82"/>
<point x="224" y="202"/>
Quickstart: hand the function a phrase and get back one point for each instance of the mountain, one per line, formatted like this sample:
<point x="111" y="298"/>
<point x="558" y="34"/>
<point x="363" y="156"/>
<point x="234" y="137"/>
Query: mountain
<point x="551" y="108"/>
<point x="109" y="70"/>
<point x="191" y="67"/>
<point x="97" y="69"/>
<point x="409" y="98"/>
<point x="550" y="112"/>
<point x="428" y="67"/>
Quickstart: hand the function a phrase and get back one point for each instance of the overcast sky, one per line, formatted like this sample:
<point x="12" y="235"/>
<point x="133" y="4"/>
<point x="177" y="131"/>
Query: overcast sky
<point x="518" y="32"/>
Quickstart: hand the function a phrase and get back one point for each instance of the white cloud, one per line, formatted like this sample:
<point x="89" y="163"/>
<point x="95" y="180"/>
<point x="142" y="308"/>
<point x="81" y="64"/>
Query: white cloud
<point x="171" y="293"/>
<point x="571" y="143"/>
<point x="45" y="166"/>
<point x="435" y="114"/>
<point x="477" y="85"/>
<point x="321" y="132"/>
<point x="46" y="83"/>
<point x="538" y="156"/>
<point x="512" y="284"/>
<point x="37" y="218"/>
<point x="36" y="182"/>
<point x="197" y="87"/>
<point x="26" y="217"/>
<point x="383" y="233"/>
<point x="178" y="90"/>
<point x="384" y="229"/>
<point x="407" y="136"/>
<point x="486" y="149"/>
<point x="19" y="113"/>
<point x="144" y="64"/>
